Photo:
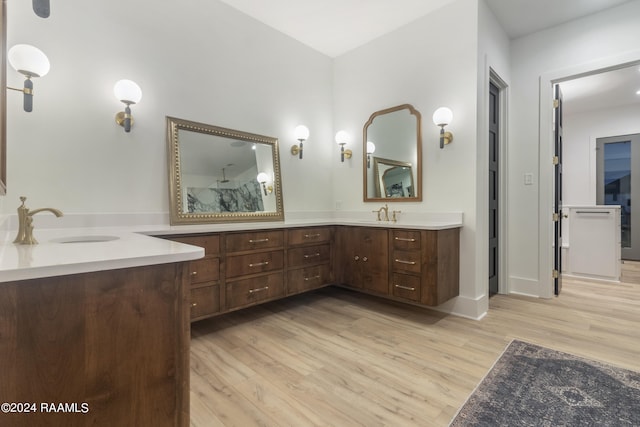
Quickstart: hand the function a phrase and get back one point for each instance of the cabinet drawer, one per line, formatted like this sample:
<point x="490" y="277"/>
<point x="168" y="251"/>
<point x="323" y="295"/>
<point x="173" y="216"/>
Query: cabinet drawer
<point x="205" y="301"/>
<point x="261" y="262"/>
<point x="406" y="286"/>
<point x="304" y="279"/>
<point x="210" y="242"/>
<point x="406" y="261"/>
<point x="205" y="270"/>
<point x="308" y="255"/>
<point x="303" y="236"/>
<point x="254" y="241"/>
<point x="253" y="290"/>
<point x="405" y="239"/>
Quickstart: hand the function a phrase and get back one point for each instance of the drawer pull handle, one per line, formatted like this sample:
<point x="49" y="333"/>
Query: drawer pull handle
<point x="365" y="259"/>
<point x="594" y="212"/>
<point x="404" y="239"/>
<point x="194" y="304"/>
<point x="405" y="287"/>
<point x="356" y="258"/>
<point x="194" y="273"/>
<point x="306" y="279"/>
<point x="259" y="264"/>
<point x="311" y="236"/>
<point x="251" y="291"/>
<point x="258" y="240"/>
<point x="401" y="261"/>
<point x="312" y="255"/>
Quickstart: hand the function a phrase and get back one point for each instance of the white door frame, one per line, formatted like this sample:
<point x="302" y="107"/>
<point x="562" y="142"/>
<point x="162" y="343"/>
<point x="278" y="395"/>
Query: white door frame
<point x="545" y="165"/>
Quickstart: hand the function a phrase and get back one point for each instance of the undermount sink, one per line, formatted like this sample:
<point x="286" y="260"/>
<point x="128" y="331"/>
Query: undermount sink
<point x="84" y="239"/>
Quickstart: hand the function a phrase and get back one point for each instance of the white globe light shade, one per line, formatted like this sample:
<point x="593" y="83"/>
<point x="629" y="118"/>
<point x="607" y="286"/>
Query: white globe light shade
<point x="28" y="60"/>
<point x="127" y="91"/>
<point x="442" y="116"/>
<point x="301" y="132"/>
<point x="343" y="137"/>
<point x="262" y="177"/>
<point x="371" y="147"/>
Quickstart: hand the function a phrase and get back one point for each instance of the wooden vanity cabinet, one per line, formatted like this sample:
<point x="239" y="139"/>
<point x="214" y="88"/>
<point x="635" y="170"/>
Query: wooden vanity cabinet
<point x="116" y="341"/>
<point x="416" y="266"/>
<point x="424" y="265"/>
<point x="205" y="278"/>
<point x="241" y="269"/>
<point x="308" y="259"/>
<point x="254" y="267"/>
<point x="362" y="258"/>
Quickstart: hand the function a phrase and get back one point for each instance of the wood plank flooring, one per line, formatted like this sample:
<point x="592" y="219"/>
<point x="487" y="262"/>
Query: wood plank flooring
<point x="338" y="358"/>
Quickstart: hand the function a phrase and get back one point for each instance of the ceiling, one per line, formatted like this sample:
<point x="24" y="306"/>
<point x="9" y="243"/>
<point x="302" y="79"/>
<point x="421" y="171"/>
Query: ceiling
<point x="334" y="27"/>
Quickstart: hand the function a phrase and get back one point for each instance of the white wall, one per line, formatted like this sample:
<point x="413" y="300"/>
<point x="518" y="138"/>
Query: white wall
<point x="580" y="133"/>
<point x="197" y="59"/>
<point x="429" y="63"/>
<point x="592" y="42"/>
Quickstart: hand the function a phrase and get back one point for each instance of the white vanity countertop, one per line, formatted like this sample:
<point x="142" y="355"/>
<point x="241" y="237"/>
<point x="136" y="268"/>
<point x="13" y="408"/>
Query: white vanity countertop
<point x="52" y="258"/>
<point x="213" y="228"/>
<point x="134" y="246"/>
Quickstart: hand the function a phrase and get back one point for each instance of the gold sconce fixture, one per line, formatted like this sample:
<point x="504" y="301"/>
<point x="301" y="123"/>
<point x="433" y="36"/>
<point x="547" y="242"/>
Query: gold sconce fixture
<point x="31" y="62"/>
<point x="442" y="117"/>
<point x="371" y="148"/>
<point x="343" y="138"/>
<point x="127" y="92"/>
<point x="301" y="134"/>
<point x="263" y="178"/>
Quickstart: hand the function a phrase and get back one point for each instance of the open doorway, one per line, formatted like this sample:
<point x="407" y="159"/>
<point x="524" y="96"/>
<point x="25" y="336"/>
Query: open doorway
<point x="598" y="103"/>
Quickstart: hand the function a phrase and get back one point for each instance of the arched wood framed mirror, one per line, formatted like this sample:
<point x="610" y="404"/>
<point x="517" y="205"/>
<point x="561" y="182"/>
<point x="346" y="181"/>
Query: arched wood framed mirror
<point x="392" y="160"/>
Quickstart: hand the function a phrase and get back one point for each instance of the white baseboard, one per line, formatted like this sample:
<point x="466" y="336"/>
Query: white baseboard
<point x="470" y="308"/>
<point x="526" y="287"/>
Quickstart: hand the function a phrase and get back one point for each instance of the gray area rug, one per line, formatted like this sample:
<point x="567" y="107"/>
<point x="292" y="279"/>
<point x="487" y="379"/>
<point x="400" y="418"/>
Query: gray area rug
<point x="535" y="386"/>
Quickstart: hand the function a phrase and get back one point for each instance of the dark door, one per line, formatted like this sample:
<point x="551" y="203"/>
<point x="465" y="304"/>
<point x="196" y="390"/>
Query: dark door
<point x="557" y="202"/>
<point x="493" y="187"/>
<point x="618" y="171"/>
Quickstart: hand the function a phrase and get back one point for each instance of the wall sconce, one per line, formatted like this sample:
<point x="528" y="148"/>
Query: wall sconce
<point x="442" y="117"/>
<point x="31" y="62"/>
<point x="263" y="178"/>
<point x="371" y="148"/>
<point x="342" y="139"/>
<point x="301" y="133"/>
<point x="128" y="92"/>
<point x="42" y="8"/>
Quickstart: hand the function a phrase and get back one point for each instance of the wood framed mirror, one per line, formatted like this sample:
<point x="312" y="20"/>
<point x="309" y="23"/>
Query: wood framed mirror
<point x="221" y="175"/>
<point x="392" y="160"/>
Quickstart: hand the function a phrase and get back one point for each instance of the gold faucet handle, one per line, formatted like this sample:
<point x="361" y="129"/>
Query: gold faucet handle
<point x="378" y="213"/>
<point x="394" y="218"/>
<point x="23" y="199"/>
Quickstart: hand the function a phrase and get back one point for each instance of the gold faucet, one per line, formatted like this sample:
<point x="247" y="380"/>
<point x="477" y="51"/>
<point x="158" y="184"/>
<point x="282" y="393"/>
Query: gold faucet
<point x="384" y="209"/>
<point x="25" y="223"/>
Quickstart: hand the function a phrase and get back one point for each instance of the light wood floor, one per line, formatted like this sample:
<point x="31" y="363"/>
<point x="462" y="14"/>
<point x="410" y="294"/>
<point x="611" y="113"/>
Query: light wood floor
<point x="339" y="358"/>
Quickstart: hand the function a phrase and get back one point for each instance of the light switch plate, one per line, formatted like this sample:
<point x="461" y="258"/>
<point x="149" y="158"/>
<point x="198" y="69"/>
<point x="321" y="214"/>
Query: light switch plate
<point x="528" y="179"/>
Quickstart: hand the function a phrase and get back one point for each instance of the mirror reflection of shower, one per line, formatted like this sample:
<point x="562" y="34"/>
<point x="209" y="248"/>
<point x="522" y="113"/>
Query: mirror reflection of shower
<point x="224" y="179"/>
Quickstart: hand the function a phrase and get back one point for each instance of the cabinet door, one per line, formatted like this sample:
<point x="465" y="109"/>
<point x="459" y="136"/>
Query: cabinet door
<point x="347" y="258"/>
<point x="374" y="259"/>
